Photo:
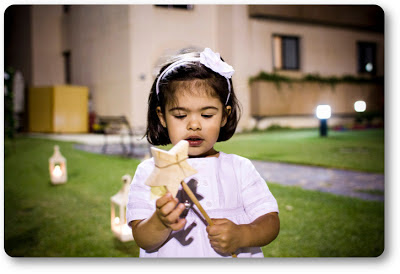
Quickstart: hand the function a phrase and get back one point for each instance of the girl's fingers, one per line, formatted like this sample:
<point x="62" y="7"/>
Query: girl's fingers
<point x="212" y="231"/>
<point x="167" y="208"/>
<point x="163" y="200"/>
<point x="173" y="217"/>
<point x="216" y="246"/>
<point x="212" y="237"/>
<point x="169" y="212"/>
<point x="219" y="221"/>
<point x="179" y="225"/>
<point x="214" y="243"/>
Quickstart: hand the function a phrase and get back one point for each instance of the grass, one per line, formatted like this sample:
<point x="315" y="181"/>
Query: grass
<point x="317" y="224"/>
<point x="354" y="150"/>
<point x="65" y="220"/>
<point x="73" y="220"/>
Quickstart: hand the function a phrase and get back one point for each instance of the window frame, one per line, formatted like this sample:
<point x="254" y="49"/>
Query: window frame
<point x="361" y="57"/>
<point x="175" y="7"/>
<point x="282" y="52"/>
<point x="67" y="66"/>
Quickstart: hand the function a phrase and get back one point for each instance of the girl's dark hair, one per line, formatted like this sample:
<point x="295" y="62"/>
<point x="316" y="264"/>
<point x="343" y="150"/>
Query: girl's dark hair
<point x="158" y="135"/>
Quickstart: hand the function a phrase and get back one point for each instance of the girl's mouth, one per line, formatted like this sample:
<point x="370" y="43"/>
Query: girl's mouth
<point x="194" y="141"/>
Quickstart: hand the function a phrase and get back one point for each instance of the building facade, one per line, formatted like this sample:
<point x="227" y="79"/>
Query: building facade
<point x="115" y="50"/>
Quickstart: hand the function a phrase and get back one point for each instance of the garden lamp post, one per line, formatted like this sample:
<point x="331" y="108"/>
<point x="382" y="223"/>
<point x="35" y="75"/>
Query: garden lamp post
<point x="119" y="201"/>
<point x="360" y="106"/>
<point x="323" y="113"/>
<point x="57" y="167"/>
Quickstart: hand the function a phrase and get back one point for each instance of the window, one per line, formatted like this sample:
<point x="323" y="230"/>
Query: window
<point x="286" y="52"/>
<point x="366" y="52"/>
<point x="67" y="66"/>
<point x="66" y="8"/>
<point x="185" y="7"/>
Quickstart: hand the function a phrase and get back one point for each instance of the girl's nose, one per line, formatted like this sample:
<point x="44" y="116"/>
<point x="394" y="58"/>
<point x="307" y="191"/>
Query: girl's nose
<point x="194" y="124"/>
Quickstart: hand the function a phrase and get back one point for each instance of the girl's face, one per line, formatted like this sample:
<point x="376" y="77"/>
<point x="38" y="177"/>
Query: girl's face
<point x="196" y="117"/>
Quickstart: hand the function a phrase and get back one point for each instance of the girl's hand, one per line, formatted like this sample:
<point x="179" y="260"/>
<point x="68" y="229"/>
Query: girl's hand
<point x="168" y="212"/>
<point x="224" y="236"/>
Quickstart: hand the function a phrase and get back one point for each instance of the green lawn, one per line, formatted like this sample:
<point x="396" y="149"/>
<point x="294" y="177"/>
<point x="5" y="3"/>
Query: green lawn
<point x="63" y="220"/>
<point x="356" y="150"/>
<point x="74" y="219"/>
<point x="315" y="224"/>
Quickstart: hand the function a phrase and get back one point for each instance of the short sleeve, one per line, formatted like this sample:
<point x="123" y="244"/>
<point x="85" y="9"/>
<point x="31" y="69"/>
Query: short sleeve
<point x="257" y="198"/>
<point x="140" y="206"/>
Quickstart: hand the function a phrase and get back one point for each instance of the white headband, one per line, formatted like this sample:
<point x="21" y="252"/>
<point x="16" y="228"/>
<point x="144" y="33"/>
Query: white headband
<point x="209" y="59"/>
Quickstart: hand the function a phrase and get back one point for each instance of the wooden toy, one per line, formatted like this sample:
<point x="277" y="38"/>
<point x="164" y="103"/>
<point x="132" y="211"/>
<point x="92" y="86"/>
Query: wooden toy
<point x="171" y="168"/>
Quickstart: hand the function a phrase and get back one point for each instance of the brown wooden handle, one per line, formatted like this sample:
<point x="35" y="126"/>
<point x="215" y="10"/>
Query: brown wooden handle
<point x="197" y="203"/>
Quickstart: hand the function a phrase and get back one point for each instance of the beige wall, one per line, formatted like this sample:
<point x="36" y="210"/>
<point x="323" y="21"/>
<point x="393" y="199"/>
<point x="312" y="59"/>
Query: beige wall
<point x="47" y="48"/>
<point x="131" y="40"/>
<point x="302" y="98"/>
<point x="115" y="49"/>
<point x="323" y="50"/>
<point x="223" y="28"/>
<point x="156" y="32"/>
<point x="100" y="56"/>
<point x="241" y="50"/>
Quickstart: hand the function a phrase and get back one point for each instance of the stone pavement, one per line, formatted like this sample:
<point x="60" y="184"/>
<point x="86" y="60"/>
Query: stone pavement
<point x="139" y="151"/>
<point x="362" y="185"/>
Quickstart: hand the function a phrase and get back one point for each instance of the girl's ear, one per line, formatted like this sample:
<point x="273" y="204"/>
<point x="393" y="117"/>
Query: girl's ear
<point x="161" y="117"/>
<point x="228" y="111"/>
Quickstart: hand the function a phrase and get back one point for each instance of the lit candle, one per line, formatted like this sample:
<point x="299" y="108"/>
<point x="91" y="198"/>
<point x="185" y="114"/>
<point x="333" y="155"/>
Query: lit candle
<point x="57" y="171"/>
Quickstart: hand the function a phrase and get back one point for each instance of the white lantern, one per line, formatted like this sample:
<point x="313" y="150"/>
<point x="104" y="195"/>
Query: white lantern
<point x="58" y="167"/>
<point x="118" y="211"/>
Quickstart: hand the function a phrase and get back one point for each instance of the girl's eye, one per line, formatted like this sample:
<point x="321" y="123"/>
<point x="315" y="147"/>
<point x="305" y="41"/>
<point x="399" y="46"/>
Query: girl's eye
<point x="207" y="115"/>
<point x="179" y="116"/>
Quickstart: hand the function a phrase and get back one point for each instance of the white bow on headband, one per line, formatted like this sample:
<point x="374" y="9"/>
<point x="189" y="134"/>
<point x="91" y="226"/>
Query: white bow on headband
<point x="213" y="61"/>
<point x="209" y="59"/>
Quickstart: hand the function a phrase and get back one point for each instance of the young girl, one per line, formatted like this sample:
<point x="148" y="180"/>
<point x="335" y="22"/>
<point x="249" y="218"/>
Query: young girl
<point x="193" y="99"/>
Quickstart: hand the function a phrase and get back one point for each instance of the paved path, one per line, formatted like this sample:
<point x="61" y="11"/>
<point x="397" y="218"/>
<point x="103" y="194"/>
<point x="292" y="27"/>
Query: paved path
<point x="342" y="182"/>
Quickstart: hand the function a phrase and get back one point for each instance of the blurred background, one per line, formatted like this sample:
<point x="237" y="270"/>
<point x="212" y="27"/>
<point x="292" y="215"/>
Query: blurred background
<point x="288" y="60"/>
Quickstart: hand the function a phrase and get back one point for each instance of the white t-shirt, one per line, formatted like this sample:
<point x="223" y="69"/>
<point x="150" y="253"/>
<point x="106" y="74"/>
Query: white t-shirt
<point x="227" y="186"/>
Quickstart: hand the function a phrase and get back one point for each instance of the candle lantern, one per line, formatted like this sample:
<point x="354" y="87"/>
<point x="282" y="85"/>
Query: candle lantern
<point x="119" y="201"/>
<point x="58" y="167"/>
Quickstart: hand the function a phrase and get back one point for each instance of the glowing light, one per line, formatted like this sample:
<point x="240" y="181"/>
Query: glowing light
<point x="360" y="106"/>
<point x="323" y="112"/>
<point x="57" y="167"/>
<point x="116" y="220"/>
<point x="57" y="172"/>
<point x="369" y="67"/>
